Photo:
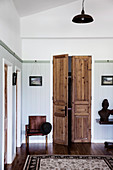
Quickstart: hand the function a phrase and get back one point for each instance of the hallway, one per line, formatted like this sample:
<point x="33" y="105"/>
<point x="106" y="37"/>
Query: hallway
<point x="40" y="149"/>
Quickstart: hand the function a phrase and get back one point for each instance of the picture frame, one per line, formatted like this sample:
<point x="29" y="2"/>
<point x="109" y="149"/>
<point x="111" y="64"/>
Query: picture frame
<point x="35" y="80"/>
<point x="107" y="80"/>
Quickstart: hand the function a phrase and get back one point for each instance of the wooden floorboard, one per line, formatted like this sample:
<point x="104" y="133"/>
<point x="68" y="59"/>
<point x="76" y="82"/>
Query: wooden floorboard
<point x="72" y="149"/>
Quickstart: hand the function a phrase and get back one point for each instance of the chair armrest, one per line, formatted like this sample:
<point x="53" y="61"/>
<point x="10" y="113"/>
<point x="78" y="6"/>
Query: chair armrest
<point x="26" y="128"/>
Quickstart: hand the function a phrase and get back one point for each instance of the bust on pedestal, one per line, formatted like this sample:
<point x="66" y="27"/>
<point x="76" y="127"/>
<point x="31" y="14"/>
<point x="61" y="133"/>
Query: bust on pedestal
<point x="104" y="118"/>
<point x="105" y="112"/>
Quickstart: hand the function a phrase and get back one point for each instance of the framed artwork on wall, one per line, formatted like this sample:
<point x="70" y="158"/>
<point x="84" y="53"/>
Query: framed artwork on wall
<point x="35" y="80"/>
<point x="107" y="80"/>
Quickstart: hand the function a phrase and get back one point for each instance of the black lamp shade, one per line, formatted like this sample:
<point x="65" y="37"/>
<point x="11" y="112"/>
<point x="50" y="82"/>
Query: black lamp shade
<point x="82" y="18"/>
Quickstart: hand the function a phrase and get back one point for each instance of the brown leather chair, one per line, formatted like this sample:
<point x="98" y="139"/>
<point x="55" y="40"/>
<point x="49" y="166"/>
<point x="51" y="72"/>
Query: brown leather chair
<point x="34" y="127"/>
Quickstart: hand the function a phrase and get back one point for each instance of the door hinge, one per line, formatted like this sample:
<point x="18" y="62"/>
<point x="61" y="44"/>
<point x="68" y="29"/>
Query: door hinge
<point x="52" y="97"/>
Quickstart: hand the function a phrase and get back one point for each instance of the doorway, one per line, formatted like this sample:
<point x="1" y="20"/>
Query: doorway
<point x="71" y="99"/>
<point x="7" y="113"/>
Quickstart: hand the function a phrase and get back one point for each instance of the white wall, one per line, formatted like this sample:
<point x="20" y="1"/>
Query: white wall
<point x="10" y="26"/>
<point x="4" y="54"/>
<point x="102" y="132"/>
<point x="35" y="99"/>
<point x="10" y="35"/>
<point x="57" y="21"/>
<point x="46" y="48"/>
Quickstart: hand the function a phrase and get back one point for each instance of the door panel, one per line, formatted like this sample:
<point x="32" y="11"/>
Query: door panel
<point x="81" y="129"/>
<point x="60" y="99"/>
<point x="81" y="99"/>
<point x="59" y="111"/>
<point x="60" y="130"/>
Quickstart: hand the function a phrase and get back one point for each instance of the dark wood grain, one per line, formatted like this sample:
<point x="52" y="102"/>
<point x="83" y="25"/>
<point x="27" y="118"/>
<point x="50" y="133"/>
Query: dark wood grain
<point x="40" y="149"/>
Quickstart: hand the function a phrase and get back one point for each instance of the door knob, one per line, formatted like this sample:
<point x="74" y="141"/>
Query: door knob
<point x="64" y="110"/>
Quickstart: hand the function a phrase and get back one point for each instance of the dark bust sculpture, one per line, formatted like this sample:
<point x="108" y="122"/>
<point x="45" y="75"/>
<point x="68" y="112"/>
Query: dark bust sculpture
<point x="105" y="112"/>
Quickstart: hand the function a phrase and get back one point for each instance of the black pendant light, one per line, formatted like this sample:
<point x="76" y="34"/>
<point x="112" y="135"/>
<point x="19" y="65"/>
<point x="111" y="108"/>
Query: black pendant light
<point x="82" y="18"/>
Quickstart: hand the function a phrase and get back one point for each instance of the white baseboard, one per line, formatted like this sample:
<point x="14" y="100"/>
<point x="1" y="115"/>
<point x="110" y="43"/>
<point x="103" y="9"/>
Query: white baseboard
<point x="101" y="141"/>
<point x="14" y="156"/>
<point x="51" y="141"/>
<point x="19" y="146"/>
<point x="11" y="161"/>
<point x="37" y="141"/>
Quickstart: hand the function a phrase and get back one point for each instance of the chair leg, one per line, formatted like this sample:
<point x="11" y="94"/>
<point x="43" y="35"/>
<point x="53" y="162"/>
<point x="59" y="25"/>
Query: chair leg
<point x="46" y="140"/>
<point x="27" y="141"/>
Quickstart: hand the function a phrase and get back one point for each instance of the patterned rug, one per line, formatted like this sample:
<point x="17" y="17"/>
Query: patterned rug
<point x="68" y="162"/>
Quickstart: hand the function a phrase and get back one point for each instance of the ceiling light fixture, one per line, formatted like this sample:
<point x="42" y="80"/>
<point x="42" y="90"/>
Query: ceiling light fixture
<point x="82" y="18"/>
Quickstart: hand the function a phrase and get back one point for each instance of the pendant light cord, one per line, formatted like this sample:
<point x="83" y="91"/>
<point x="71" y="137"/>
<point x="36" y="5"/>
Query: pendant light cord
<point x="83" y="7"/>
<point x="83" y="4"/>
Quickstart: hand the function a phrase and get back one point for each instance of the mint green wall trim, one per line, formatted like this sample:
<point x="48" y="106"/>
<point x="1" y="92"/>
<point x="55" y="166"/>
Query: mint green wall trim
<point x="35" y="61"/>
<point x="103" y="61"/>
<point x="9" y="50"/>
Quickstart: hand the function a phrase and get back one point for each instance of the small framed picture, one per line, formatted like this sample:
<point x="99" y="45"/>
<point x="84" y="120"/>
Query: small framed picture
<point x="107" y="80"/>
<point x="35" y="80"/>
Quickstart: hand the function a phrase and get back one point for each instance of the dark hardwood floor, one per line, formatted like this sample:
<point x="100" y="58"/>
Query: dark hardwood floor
<point x="72" y="149"/>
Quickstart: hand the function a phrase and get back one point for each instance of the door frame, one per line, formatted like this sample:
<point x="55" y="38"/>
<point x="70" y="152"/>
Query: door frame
<point x="18" y="114"/>
<point x="9" y="111"/>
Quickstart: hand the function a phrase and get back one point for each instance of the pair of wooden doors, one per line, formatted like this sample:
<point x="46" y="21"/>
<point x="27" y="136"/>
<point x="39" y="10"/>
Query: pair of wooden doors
<point x="80" y="99"/>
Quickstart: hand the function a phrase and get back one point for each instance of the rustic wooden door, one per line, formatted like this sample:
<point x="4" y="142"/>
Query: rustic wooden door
<point x="5" y="116"/>
<point x="81" y="99"/>
<point x="60" y="99"/>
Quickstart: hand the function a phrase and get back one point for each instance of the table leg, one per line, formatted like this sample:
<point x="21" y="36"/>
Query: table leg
<point x="108" y="144"/>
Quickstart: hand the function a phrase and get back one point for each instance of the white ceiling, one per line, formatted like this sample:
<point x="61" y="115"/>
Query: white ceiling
<point x="28" y="7"/>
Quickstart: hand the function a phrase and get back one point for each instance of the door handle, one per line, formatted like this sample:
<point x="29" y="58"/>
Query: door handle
<point x="64" y="110"/>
